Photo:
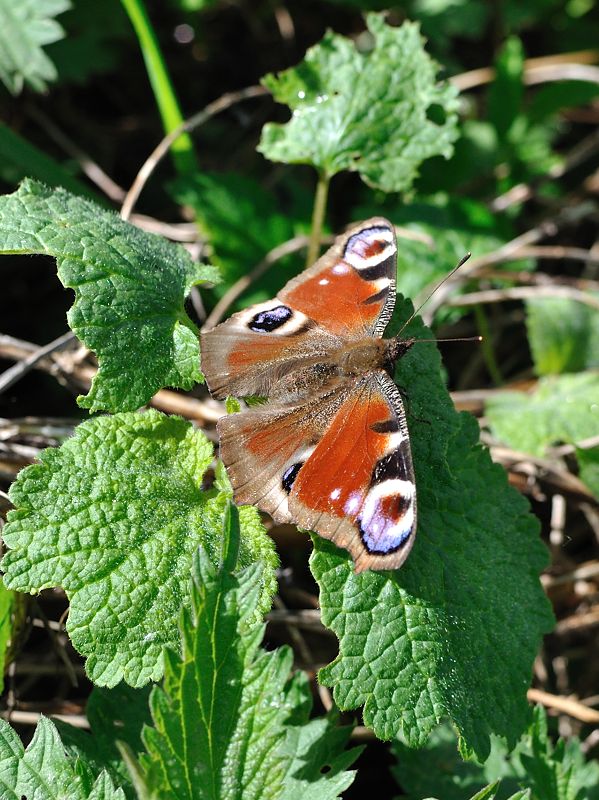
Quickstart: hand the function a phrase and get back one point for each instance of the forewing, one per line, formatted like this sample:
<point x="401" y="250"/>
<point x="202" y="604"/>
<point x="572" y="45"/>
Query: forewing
<point x="357" y="487"/>
<point x="252" y="350"/>
<point x="350" y="290"/>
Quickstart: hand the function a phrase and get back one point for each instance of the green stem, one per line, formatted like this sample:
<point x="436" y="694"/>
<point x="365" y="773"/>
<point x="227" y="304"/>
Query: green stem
<point x="320" y="206"/>
<point x="182" y="149"/>
<point x="487" y="347"/>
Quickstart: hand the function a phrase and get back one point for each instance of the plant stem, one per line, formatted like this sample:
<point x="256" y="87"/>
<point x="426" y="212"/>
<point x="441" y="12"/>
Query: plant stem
<point x="487" y="347"/>
<point x="320" y="205"/>
<point x="183" y="153"/>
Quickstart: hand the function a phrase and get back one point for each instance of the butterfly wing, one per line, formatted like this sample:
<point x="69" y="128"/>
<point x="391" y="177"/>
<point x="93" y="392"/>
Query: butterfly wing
<point x="357" y="487"/>
<point x="350" y="290"/>
<point x="339" y="464"/>
<point x="264" y="448"/>
<point x="348" y="293"/>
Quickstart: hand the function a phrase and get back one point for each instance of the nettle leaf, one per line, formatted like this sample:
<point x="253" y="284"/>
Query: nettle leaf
<point x="43" y="770"/>
<point x="563" y="408"/>
<point x="379" y="113"/>
<point x="563" y="335"/>
<point x="114" y="715"/>
<point x="25" y="27"/>
<point x="113" y="516"/>
<point x="224" y="722"/>
<point x="129" y="285"/>
<point x="560" y="772"/>
<point x="454" y="632"/>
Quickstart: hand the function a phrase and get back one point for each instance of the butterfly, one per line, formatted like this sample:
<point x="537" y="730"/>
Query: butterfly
<point x="329" y="450"/>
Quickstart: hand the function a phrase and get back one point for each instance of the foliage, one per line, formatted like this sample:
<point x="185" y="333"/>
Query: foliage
<point x="562" y="408"/>
<point x="44" y="770"/>
<point x="229" y="721"/>
<point x="25" y="27"/>
<point x="563" y="335"/>
<point x="122" y="513"/>
<point x="129" y="292"/>
<point x="373" y="113"/>
<point x="7" y="603"/>
<point x="114" y="516"/>
<point x="535" y="765"/>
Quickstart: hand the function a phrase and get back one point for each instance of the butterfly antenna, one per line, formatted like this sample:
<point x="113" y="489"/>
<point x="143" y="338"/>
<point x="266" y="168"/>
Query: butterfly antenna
<point x="457" y="339"/>
<point x="460" y="263"/>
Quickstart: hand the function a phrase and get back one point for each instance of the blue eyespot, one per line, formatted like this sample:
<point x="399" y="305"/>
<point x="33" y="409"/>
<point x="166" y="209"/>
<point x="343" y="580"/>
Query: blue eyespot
<point x="267" y="321"/>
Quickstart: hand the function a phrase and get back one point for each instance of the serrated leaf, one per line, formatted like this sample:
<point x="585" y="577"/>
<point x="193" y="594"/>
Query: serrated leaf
<point x="562" y="408"/>
<point x="25" y="27"/>
<point x="563" y="335"/>
<point x="221" y="720"/>
<point x="114" y="516"/>
<point x="44" y="772"/>
<point x="437" y="770"/>
<point x="114" y="715"/>
<point x="371" y="113"/>
<point x="129" y="285"/>
<point x="455" y="631"/>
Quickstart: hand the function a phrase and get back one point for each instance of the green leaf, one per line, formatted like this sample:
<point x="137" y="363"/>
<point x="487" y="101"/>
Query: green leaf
<point x="534" y="767"/>
<point x="223" y="721"/>
<point x="129" y="285"/>
<point x="562" y="409"/>
<point x="114" y="516"/>
<point x="437" y="770"/>
<point x="558" y="773"/>
<point x="19" y="158"/>
<point x="588" y="462"/>
<point x="554" y="97"/>
<point x="44" y="772"/>
<point x="241" y="220"/>
<point x="563" y="335"/>
<point x="114" y="715"/>
<point x="379" y="113"/>
<point x="455" y="631"/>
<point x="95" y="41"/>
<point x="506" y="93"/>
<point x="7" y="603"/>
<point x="25" y="27"/>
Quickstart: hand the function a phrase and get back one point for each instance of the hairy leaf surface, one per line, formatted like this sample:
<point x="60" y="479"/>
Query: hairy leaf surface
<point x="226" y="720"/>
<point x="379" y="113"/>
<point x="114" y="516"/>
<point x="129" y="285"/>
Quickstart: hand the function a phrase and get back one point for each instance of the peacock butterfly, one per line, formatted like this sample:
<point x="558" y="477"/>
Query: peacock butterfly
<point x="330" y="450"/>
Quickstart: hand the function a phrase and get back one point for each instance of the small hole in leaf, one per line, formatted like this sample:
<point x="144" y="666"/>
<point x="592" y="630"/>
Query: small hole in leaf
<point x="325" y="769"/>
<point x="436" y="114"/>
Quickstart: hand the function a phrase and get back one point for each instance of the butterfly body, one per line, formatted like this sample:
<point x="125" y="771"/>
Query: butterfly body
<point x="330" y="450"/>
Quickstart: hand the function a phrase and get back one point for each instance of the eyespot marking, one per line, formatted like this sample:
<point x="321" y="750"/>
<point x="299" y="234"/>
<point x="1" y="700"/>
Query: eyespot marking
<point x="387" y="516"/>
<point x="270" y="320"/>
<point x="290" y="475"/>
